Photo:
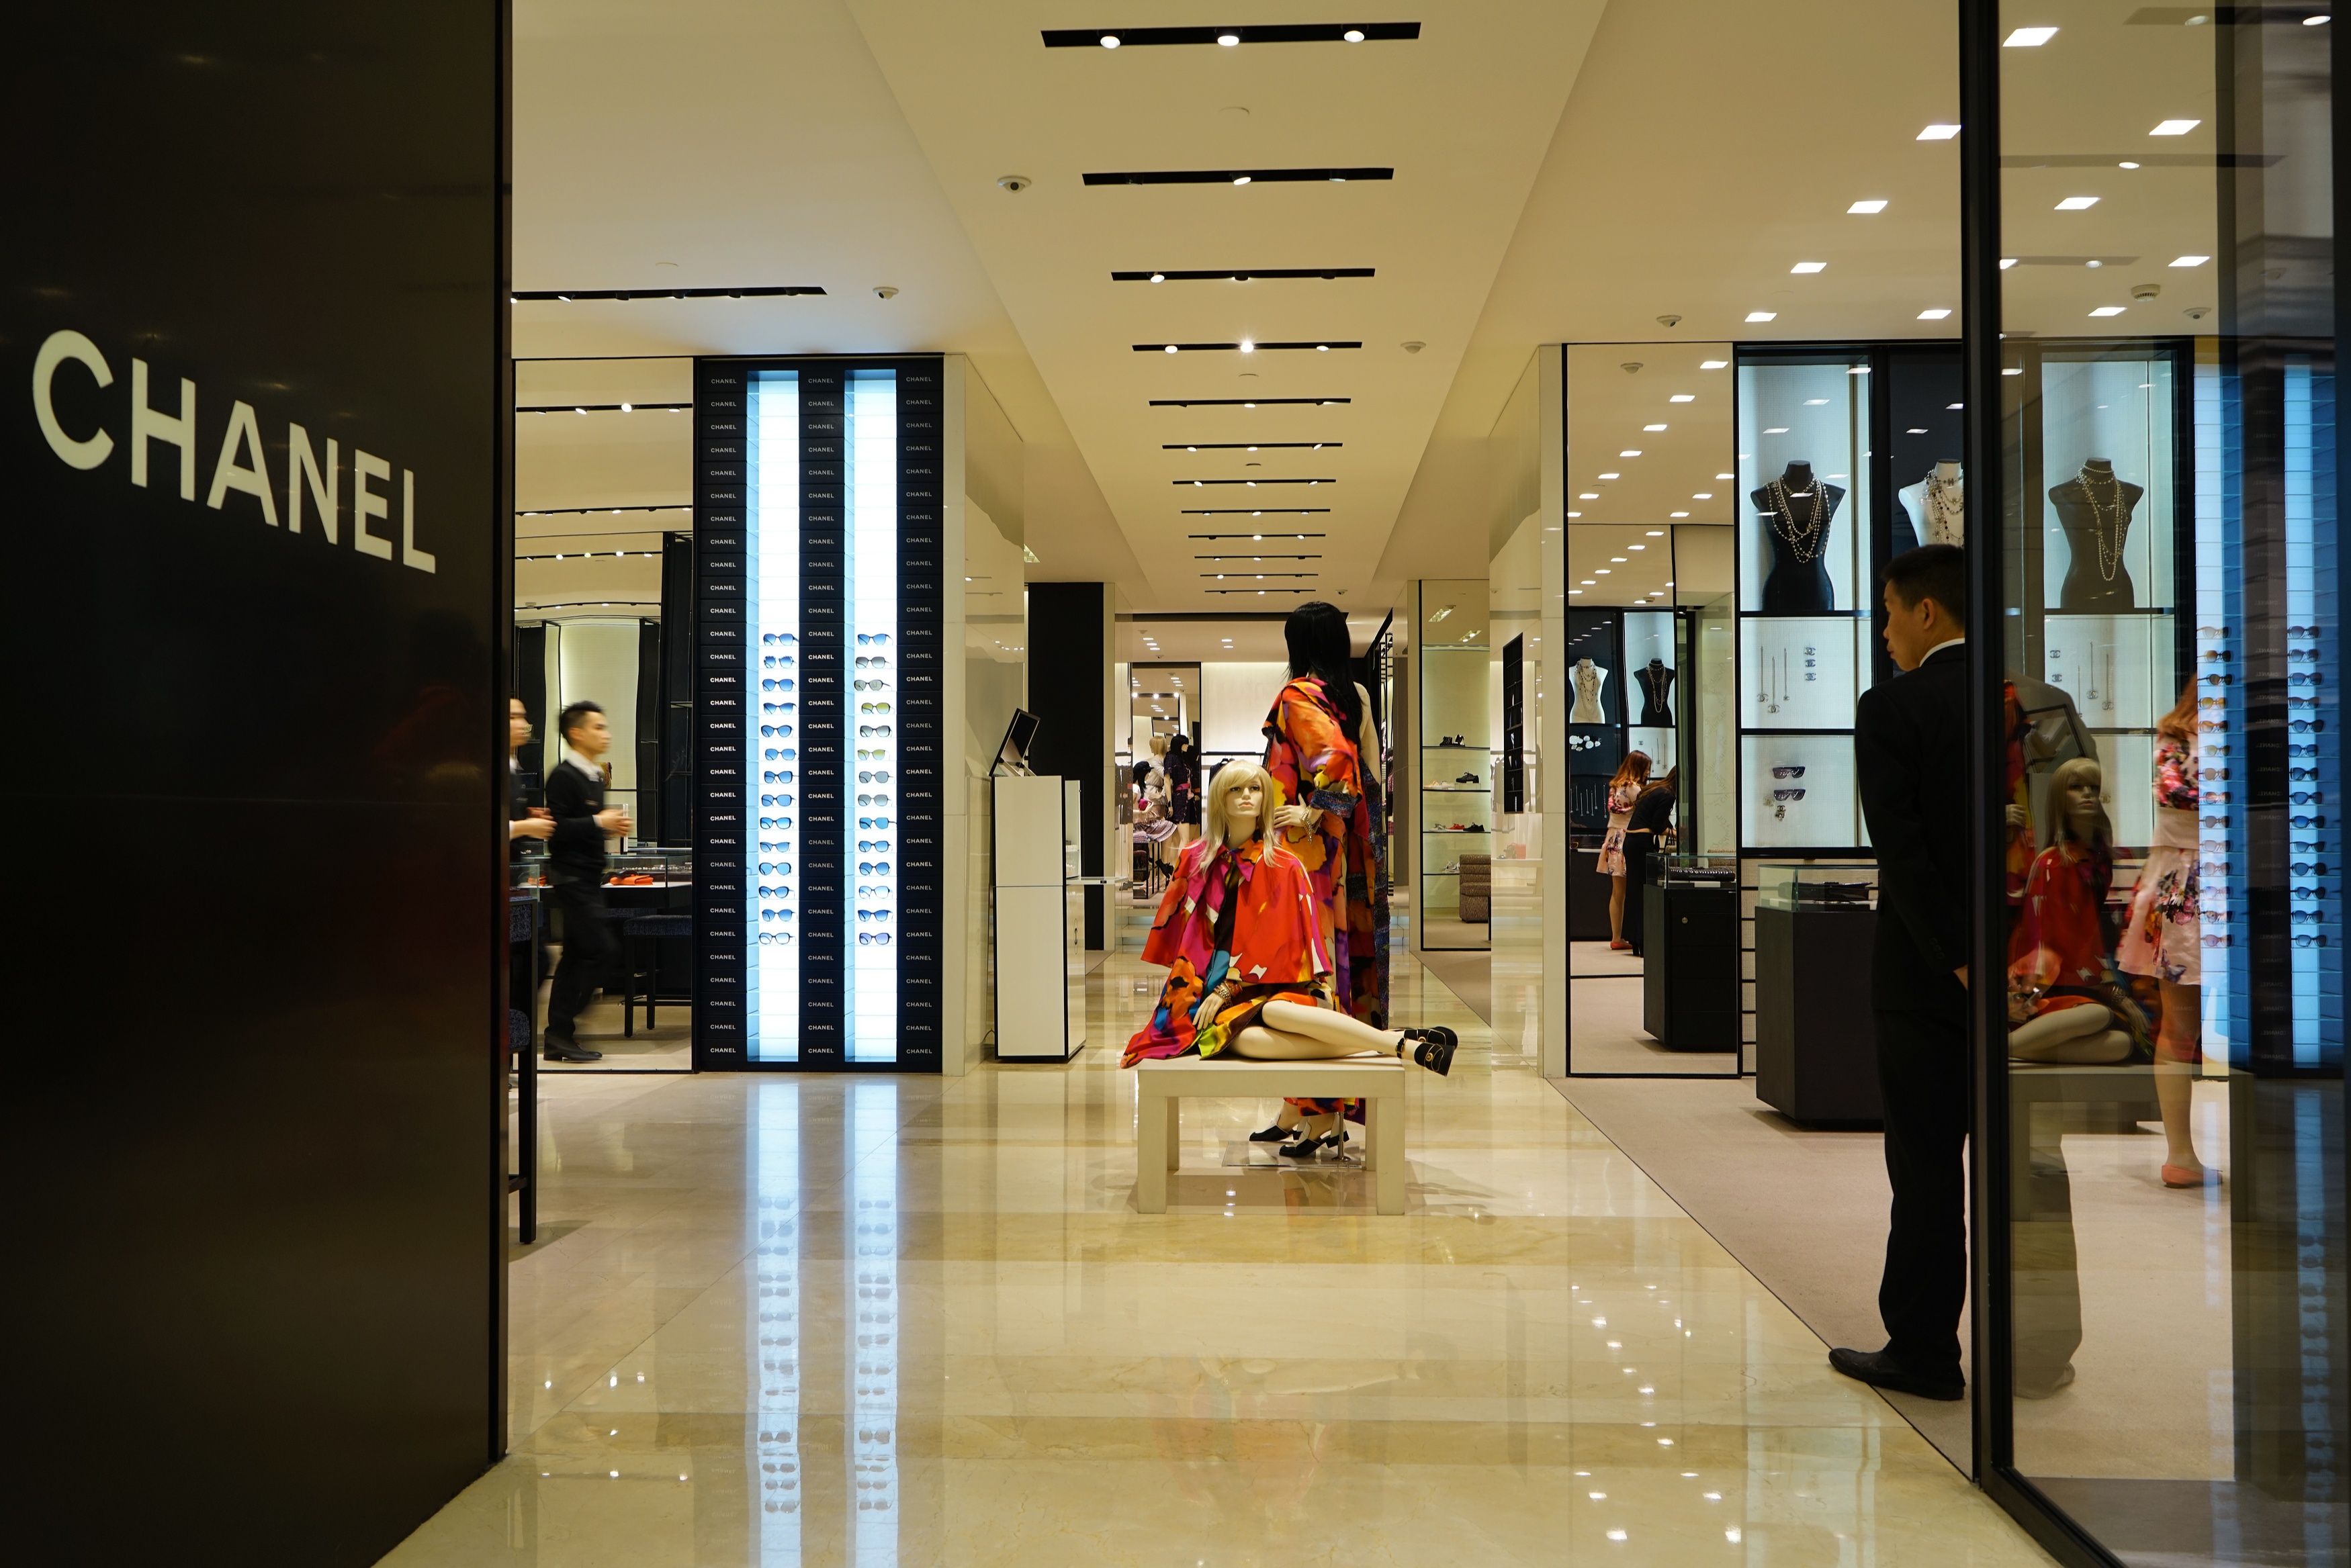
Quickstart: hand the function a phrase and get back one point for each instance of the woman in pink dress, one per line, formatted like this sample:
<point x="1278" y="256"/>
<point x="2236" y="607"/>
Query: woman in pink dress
<point x="1623" y="790"/>
<point x="2164" y="937"/>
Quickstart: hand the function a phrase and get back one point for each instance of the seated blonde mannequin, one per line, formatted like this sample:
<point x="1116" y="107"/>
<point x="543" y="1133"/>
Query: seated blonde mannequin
<point x="2074" y="1034"/>
<point x="1290" y="1031"/>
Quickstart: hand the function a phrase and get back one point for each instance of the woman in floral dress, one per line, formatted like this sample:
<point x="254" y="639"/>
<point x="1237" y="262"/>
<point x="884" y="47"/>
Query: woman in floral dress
<point x="1623" y="790"/>
<point x="2164" y="936"/>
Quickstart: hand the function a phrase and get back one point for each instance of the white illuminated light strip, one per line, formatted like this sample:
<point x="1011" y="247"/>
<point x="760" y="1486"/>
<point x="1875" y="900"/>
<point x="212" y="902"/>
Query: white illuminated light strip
<point x="772" y="921"/>
<point x="870" y="965"/>
<point x="775" y="1320"/>
<point x="873" y="1347"/>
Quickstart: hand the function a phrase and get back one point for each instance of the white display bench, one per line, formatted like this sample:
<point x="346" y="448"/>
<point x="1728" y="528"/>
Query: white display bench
<point x="1377" y="1080"/>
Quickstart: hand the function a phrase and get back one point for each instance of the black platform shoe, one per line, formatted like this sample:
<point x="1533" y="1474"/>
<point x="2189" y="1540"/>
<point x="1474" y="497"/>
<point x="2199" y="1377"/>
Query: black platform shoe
<point x="1275" y="1134"/>
<point x="1433" y="1048"/>
<point x="1309" y="1147"/>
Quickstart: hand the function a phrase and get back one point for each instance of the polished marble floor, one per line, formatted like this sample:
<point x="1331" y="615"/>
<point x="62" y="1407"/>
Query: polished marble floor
<point x="875" y="1320"/>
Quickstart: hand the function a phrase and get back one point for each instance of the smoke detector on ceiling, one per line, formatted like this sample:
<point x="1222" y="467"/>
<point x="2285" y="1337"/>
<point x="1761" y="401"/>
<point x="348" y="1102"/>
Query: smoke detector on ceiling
<point x="1632" y="366"/>
<point x="1016" y="182"/>
<point x="1415" y="346"/>
<point x="2146" y="291"/>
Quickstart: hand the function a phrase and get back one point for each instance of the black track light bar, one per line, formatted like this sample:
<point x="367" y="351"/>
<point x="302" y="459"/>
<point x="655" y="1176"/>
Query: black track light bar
<point x="593" y="555"/>
<point x="1236" y="176"/>
<point x="1255" y="536"/>
<point x="1291" y="558"/>
<point x="600" y="407"/>
<point x="1242" y="403"/>
<point x="1247" y="445"/>
<point x="1251" y="512"/>
<point x="569" y="294"/>
<point x="1324" y="345"/>
<point x="1197" y="483"/>
<point x="1243" y="274"/>
<point x="1259" y="592"/>
<point x="1276" y="33"/>
<point x="600" y="511"/>
<point x="1257" y="576"/>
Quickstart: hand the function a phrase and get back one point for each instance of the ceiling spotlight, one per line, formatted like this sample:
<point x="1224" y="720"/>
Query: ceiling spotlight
<point x="1356" y="34"/>
<point x="1810" y="266"/>
<point x="2175" y="128"/>
<point x="1247" y="346"/>
<point x="1939" y="133"/>
<point x="1866" y="207"/>
<point x="1230" y="39"/>
<point x="1110" y="40"/>
<point x="1762" y="316"/>
<point x="1938" y="313"/>
<point x="1683" y="398"/>
<point x="2028" y="37"/>
<point x="2077" y="203"/>
<point x="1159" y="277"/>
<point x="1240" y="179"/>
<point x="1171" y="348"/>
<point x="2316" y="21"/>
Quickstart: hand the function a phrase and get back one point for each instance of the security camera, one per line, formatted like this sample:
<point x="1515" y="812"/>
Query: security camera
<point x="2144" y="292"/>
<point x="1632" y="366"/>
<point x="1669" y="321"/>
<point x="883" y="291"/>
<point x="1016" y="182"/>
<point x="2197" y="312"/>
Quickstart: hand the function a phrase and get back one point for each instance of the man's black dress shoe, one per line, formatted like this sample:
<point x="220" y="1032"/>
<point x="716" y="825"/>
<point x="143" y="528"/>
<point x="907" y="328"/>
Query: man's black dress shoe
<point x="1879" y="1370"/>
<point x="559" y="1049"/>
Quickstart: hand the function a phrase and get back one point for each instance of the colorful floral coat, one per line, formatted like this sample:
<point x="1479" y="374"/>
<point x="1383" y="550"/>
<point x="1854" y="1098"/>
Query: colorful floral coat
<point x="1314" y="762"/>
<point x="1274" y="946"/>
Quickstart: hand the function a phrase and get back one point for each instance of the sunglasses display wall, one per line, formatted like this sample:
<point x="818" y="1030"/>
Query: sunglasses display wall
<point x="818" y="727"/>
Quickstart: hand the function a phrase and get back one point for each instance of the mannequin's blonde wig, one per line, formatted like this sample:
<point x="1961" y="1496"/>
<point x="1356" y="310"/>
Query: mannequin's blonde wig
<point x="1230" y="777"/>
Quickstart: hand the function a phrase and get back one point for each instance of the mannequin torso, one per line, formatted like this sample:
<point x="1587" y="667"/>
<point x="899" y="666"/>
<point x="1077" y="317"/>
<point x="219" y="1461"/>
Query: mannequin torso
<point x="1656" y="689"/>
<point x="1798" y="512"/>
<point x="1589" y="678"/>
<point x="2094" y="508"/>
<point x="1936" y="508"/>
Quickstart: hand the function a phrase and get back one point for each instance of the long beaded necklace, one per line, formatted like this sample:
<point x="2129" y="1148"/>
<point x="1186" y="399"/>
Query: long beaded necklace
<point x="1946" y="510"/>
<point x="1804" y="541"/>
<point x="2109" y="563"/>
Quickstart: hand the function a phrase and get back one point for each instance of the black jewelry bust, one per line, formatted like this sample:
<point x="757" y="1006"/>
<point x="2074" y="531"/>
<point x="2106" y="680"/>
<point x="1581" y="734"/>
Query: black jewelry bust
<point x="2094" y="508"/>
<point x="1798" y="511"/>
<point x="1657" y="688"/>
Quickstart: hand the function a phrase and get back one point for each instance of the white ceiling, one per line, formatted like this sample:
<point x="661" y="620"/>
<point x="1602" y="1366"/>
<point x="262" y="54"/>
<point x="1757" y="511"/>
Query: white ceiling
<point x="1564" y="172"/>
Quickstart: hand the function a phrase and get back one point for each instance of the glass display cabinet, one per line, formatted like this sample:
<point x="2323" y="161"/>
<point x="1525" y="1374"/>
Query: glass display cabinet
<point x="1457" y="766"/>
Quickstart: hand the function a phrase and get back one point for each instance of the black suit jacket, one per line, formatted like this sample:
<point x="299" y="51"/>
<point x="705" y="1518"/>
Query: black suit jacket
<point x="576" y="852"/>
<point x="1910" y="751"/>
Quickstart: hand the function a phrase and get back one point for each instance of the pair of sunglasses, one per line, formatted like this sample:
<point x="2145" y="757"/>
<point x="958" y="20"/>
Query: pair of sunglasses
<point x="769" y="710"/>
<point x="783" y="754"/>
<point x="872" y="661"/>
<point x="777" y="640"/>
<point x="2308" y="867"/>
<point x="776" y="822"/>
<point x="774" y="867"/>
<point x="873" y="778"/>
<point x="1788" y="772"/>
<point x="872" y="639"/>
<point x="878" y="755"/>
<point x="777" y="661"/>
<point x="1787" y="794"/>
<point x="874" y="800"/>
<point x="2307" y="726"/>
<point x="775" y="892"/>
<point x="2306" y="821"/>
<point x="873" y="707"/>
<point x="872" y="731"/>
<point x="775" y="938"/>
<point x="873" y="914"/>
<point x="872" y="847"/>
<point x="872" y="821"/>
<point x="775" y="915"/>
<point x="874" y="868"/>
<point x="781" y="776"/>
<point x="775" y="683"/>
<point x="775" y="731"/>
<point x="774" y="800"/>
<point x="873" y="939"/>
<point x="871" y="685"/>
<point x="2317" y="941"/>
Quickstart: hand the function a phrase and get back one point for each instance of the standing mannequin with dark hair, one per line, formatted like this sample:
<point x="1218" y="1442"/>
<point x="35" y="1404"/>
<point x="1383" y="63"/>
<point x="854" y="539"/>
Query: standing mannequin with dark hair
<point x="575" y="874"/>
<point x="1910" y="753"/>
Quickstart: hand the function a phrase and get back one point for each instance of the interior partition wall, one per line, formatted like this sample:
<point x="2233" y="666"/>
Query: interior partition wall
<point x="2163" y="1336"/>
<point x="254" y="334"/>
<point x="822" y="662"/>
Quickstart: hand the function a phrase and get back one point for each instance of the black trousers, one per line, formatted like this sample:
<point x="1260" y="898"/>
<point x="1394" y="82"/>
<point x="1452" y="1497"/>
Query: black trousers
<point x="1637" y="849"/>
<point x="588" y="949"/>
<point x="1922" y="1072"/>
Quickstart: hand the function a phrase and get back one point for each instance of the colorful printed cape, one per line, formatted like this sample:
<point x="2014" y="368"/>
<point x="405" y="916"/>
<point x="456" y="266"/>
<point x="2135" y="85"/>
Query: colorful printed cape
<point x="1314" y="762"/>
<point x="1277" y="946"/>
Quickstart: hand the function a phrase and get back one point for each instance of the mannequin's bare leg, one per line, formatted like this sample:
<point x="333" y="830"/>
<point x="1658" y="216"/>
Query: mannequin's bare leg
<point x="1340" y="1035"/>
<point x="2174" y="1070"/>
<point x="2035" y="1035"/>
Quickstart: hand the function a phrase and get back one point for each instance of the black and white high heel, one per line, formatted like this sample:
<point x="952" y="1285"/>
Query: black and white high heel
<point x="1308" y="1146"/>
<point x="1433" y="1047"/>
<point x="1274" y="1134"/>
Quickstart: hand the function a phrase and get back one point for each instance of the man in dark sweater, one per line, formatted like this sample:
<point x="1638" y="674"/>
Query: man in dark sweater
<point x="575" y="873"/>
<point x="1910" y="753"/>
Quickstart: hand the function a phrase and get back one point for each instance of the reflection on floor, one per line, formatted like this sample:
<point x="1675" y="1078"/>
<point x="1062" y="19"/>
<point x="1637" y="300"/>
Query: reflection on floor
<point x="665" y="1047"/>
<point x="834" y="1319"/>
<point x="1604" y="1030"/>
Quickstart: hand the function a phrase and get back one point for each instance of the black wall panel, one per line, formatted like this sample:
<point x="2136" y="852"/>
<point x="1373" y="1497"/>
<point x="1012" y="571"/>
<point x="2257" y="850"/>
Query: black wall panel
<point x="256" y="964"/>
<point x="1068" y="648"/>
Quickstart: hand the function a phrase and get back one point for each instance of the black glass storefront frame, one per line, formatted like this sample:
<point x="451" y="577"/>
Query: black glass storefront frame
<point x="2288" y="1356"/>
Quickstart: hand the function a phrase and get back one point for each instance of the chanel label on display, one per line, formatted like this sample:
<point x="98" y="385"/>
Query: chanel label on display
<point x="821" y="616"/>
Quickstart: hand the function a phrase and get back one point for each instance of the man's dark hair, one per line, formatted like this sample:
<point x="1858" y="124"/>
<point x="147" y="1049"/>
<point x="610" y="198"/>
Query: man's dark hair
<point x="1938" y="572"/>
<point x="575" y="712"/>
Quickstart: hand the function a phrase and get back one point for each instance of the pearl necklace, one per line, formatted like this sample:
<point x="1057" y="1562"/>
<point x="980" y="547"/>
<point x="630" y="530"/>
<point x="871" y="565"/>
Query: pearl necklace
<point x="1947" y="510"/>
<point x="2109" y="562"/>
<point x="1806" y="541"/>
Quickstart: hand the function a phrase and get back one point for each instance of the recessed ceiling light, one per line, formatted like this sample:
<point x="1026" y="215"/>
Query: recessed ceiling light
<point x="2109" y="310"/>
<point x="1937" y="313"/>
<point x="1240" y="179"/>
<point x="1599" y="571"/>
<point x="2175" y="127"/>
<point x="2077" y="203"/>
<point x="1762" y="316"/>
<point x="1702" y="496"/>
<point x="1939" y="133"/>
<point x="1159" y="277"/>
<point x="1575" y="515"/>
<point x="1588" y="583"/>
<point x="1955" y="405"/>
<point x="1683" y="398"/>
<point x="2013" y="370"/>
<point x="1573" y="592"/>
<point x="1866" y="207"/>
<point x="1712" y="364"/>
<point x="1726" y="476"/>
<point x="1110" y="40"/>
<point x="2127" y="163"/>
<point x="1353" y="35"/>
<point x="1669" y="515"/>
<point x="1619" y="560"/>
<point x="1810" y="266"/>
<point x="1636" y="546"/>
<point x="2006" y="263"/>
<point x="1657" y="533"/>
<point x="1612" y="476"/>
<point x="1816" y="402"/>
<point x="1653" y="426"/>
<point x="1171" y="348"/>
<point x="1587" y="495"/>
<point x="1630" y="452"/>
<point x="2028" y="37"/>
<point x="2190" y="261"/>
<point x="1247" y="346"/>
<point x="2316" y="21"/>
<point x="1230" y="39"/>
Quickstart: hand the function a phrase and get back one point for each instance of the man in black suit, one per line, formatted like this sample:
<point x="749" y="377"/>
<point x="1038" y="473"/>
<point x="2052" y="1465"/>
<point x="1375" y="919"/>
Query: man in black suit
<point x="1910" y="751"/>
<point x="575" y="873"/>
